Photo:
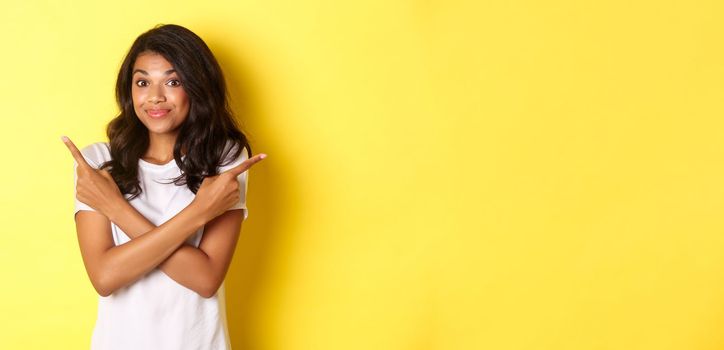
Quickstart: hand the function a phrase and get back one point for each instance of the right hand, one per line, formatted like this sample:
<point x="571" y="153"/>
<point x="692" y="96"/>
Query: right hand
<point x="94" y="187"/>
<point x="220" y="192"/>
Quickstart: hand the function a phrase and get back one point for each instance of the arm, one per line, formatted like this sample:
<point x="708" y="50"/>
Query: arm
<point x="200" y="269"/>
<point x="113" y="267"/>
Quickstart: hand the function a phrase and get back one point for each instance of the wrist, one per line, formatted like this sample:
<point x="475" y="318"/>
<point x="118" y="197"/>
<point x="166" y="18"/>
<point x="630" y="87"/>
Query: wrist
<point x="117" y="209"/>
<point x="199" y="211"/>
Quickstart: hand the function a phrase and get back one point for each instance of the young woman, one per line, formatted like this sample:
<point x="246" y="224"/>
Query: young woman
<point x="159" y="207"/>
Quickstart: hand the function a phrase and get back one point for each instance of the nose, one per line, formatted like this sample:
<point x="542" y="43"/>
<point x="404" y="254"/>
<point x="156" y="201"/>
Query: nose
<point x="156" y="94"/>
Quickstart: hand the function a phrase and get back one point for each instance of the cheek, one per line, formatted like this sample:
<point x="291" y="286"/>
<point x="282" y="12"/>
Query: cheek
<point x="137" y="97"/>
<point x="182" y="101"/>
<point x="134" y="100"/>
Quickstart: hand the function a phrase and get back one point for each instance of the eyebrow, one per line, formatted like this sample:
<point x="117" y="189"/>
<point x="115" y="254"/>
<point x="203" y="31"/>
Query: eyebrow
<point x="146" y="73"/>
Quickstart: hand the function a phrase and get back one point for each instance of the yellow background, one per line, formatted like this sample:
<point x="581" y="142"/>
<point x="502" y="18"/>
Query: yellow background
<point x="442" y="175"/>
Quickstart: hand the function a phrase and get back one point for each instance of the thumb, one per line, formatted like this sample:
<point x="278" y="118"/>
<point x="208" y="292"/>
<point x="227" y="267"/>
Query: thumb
<point x="106" y="174"/>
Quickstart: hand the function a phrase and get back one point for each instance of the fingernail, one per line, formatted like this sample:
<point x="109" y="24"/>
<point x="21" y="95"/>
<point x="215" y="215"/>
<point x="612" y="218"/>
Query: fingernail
<point x="262" y="156"/>
<point x="64" y="138"/>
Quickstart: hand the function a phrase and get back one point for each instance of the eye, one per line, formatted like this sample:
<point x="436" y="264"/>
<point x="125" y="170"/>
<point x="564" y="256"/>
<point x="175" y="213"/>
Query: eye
<point x="174" y="82"/>
<point x="141" y="83"/>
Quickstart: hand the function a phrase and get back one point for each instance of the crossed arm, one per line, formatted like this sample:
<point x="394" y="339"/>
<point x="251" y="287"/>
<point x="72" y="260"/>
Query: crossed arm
<point x="113" y="267"/>
<point x="200" y="269"/>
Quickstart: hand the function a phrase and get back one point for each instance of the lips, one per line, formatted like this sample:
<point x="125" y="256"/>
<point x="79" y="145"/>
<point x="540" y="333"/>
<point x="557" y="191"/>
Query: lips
<point x="157" y="113"/>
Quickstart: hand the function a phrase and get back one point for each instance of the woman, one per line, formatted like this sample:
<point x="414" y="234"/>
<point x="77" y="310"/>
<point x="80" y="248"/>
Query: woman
<point x="159" y="207"/>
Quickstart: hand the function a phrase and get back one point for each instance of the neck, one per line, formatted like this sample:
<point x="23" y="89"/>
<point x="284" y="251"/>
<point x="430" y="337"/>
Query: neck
<point x="160" y="148"/>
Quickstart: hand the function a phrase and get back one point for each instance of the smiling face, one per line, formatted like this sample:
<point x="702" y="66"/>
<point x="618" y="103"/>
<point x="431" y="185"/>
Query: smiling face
<point x="159" y="99"/>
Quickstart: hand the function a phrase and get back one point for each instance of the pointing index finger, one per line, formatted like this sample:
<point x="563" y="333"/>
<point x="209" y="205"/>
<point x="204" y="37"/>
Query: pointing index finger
<point x="245" y="165"/>
<point x="75" y="152"/>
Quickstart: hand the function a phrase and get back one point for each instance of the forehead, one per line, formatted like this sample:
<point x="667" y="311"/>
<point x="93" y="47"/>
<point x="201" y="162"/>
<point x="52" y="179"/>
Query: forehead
<point x="151" y="61"/>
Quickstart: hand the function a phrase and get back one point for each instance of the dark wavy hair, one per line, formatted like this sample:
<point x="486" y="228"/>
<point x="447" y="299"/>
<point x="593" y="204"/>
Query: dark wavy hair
<point x="208" y="128"/>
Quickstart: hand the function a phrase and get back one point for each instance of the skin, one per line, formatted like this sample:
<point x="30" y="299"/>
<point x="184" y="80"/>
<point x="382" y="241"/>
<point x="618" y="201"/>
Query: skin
<point x="111" y="267"/>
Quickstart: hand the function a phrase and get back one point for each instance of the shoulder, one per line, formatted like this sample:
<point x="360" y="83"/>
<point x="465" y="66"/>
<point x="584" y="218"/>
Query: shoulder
<point x="96" y="153"/>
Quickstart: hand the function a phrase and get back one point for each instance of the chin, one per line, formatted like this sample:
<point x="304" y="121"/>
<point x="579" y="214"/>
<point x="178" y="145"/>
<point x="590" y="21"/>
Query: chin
<point x="165" y="129"/>
<point x="160" y="131"/>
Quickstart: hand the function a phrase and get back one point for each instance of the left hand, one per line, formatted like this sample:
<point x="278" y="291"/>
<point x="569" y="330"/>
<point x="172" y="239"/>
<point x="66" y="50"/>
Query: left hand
<point x="94" y="187"/>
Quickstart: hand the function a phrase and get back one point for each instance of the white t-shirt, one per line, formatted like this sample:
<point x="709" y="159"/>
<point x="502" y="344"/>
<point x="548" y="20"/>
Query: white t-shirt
<point x="156" y="312"/>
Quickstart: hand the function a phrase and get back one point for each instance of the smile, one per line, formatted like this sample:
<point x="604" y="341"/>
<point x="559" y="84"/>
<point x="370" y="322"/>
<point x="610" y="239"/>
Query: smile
<point x="157" y="113"/>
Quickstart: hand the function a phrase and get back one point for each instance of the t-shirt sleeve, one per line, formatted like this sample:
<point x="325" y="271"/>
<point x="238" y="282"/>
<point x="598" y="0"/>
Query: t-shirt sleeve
<point x="243" y="181"/>
<point x="92" y="154"/>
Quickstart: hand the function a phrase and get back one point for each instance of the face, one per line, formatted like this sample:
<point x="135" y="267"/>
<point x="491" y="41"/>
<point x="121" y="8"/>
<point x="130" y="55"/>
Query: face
<point x="159" y="98"/>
